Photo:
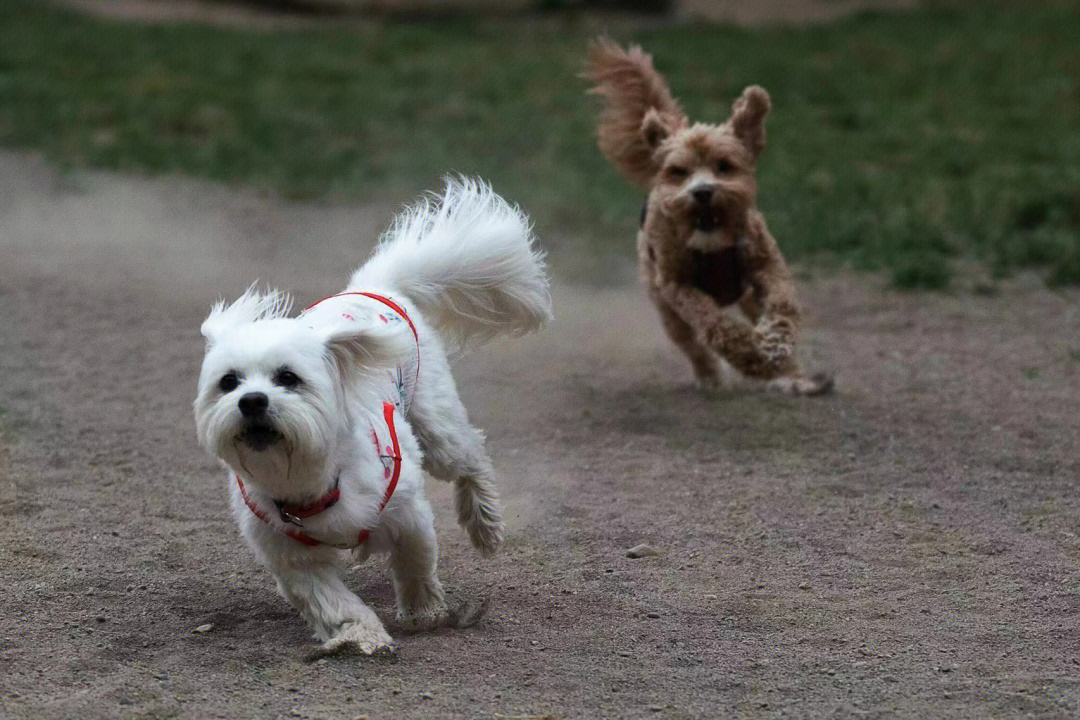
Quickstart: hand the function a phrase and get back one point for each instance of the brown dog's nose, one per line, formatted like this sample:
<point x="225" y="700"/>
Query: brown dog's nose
<point x="253" y="404"/>
<point x="702" y="195"/>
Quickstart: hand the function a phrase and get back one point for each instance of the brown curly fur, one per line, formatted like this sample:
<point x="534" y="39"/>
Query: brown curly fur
<point x="715" y="273"/>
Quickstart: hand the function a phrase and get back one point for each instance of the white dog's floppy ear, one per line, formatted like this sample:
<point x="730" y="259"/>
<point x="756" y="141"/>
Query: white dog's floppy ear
<point x="365" y="346"/>
<point x="249" y="307"/>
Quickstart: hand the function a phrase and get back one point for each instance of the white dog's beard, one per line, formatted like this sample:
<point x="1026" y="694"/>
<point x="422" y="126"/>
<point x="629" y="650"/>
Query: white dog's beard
<point x="284" y="456"/>
<point x="259" y="435"/>
<point x="272" y="466"/>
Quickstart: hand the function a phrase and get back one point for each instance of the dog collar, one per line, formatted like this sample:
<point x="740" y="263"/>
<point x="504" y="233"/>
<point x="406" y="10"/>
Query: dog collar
<point x="288" y="522"/>
<point x="293" y="514"/>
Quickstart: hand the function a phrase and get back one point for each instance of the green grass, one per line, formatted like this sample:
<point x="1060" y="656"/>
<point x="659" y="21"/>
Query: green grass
<point x="897" y="143"/>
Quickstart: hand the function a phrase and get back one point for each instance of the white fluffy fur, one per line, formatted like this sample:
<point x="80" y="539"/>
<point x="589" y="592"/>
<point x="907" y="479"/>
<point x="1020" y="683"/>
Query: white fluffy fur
<point x="465" y="267"/>
<point x="247" y="308"/>
<point x="466" y="261"/>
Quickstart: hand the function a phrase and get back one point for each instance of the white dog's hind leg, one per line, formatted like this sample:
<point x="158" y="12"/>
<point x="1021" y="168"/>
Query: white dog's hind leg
<point x="477" y="504"/>
<point x="337" y="615"/>
<point x="454" y="450"/>
<point x="413" y="562"/>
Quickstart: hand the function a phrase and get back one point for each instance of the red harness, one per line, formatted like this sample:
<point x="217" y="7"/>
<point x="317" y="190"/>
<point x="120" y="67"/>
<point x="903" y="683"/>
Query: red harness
<point x="388" y="303"/>
<point x="292" y="513"/>
<point x="330" y="499"/>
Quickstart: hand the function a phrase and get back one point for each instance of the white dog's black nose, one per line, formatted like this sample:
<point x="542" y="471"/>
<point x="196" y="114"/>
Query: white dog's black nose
<point x="253" y="404"/>
<point x="702" y="195"/>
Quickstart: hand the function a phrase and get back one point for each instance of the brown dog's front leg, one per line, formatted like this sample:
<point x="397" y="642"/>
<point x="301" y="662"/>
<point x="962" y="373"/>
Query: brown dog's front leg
<point x="762" y="351"/>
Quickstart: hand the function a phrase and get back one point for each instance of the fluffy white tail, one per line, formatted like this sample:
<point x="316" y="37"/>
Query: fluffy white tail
<point x="467" y="260"/>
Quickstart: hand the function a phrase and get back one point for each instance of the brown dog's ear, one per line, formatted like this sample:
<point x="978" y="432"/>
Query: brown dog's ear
<point x="653" y="129"/>
<point x="639" y="111"/>
<point x="748" y="118"/>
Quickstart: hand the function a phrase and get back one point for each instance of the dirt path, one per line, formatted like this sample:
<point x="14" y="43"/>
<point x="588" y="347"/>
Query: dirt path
<point x="907" y="548"/>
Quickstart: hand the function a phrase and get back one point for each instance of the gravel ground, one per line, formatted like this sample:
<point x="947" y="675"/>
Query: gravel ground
<point x="905" y="548"/>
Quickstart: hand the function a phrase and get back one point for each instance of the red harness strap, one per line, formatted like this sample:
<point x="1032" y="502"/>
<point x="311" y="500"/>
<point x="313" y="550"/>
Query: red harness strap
<point x="306" y="511"/>
<point x="388" y="415"/>
<point x="388" y="303"/>
<point x="332" y="497"/>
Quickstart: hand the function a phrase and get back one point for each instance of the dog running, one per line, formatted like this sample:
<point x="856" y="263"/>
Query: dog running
<point x="715" y="274"/>
<point x="326" y="421"/>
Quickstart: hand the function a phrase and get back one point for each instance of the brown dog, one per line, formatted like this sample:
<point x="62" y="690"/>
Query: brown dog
<point x="704" y="251"/>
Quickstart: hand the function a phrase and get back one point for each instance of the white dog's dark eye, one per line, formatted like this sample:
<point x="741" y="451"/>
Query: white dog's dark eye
<point x="678" y="173"/>
<point x="724" y="167"/>
<point x="228" y="382"/>
<point x="287" y="378"/>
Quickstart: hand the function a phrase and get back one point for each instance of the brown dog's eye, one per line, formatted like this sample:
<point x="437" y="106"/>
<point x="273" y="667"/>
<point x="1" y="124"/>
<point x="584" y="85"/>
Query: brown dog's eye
<point x="724" y="167"/>
<point x="678" y="173"/>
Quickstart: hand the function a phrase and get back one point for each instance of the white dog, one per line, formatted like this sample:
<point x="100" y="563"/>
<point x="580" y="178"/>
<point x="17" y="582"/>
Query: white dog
<point x="326" y="420"/>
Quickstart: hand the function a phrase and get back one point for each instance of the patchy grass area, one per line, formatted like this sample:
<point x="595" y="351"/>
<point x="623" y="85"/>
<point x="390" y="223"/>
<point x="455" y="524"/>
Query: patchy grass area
<point x="897" y="142"/>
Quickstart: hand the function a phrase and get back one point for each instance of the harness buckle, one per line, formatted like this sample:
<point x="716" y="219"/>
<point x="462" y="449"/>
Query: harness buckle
<point x="289" y="518"/>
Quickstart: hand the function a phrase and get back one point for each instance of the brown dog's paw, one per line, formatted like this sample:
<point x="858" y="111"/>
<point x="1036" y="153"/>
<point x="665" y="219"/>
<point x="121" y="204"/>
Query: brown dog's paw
<point x="820" y="383"/>
<point x="709" y="385"/>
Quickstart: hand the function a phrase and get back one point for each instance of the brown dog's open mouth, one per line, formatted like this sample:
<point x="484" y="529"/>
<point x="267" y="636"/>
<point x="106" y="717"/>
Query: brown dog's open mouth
<point x="709" y="219"/>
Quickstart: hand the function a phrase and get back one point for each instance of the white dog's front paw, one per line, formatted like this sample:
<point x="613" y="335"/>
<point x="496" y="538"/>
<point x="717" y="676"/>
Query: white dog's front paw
<point x="367" y="638"/>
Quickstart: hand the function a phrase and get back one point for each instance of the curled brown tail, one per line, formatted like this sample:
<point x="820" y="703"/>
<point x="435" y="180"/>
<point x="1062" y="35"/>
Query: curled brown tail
<point x="632" y="90"/>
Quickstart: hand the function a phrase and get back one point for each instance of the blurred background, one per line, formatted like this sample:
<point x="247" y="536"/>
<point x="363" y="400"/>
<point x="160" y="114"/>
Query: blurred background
<point x="937" y="143"/>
